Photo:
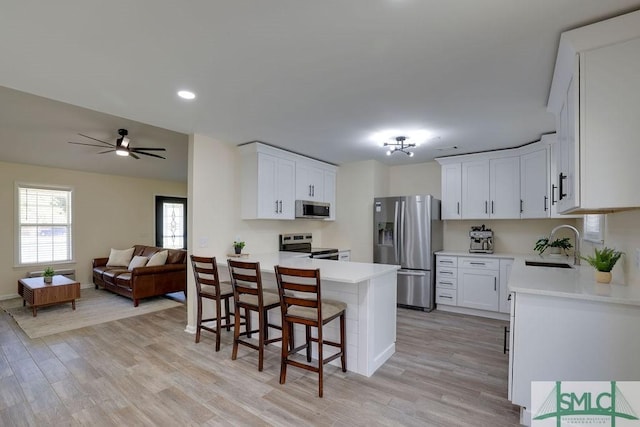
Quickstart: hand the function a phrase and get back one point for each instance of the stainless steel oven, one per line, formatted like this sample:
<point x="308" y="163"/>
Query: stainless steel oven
<point x="302" y="242"/>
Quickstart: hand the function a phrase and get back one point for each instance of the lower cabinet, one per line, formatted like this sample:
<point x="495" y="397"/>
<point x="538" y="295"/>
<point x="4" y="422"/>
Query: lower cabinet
<point x="474" y="283"/>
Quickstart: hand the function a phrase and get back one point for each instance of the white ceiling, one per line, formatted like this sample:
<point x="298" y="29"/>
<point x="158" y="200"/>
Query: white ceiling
<point x="317" y="78"/>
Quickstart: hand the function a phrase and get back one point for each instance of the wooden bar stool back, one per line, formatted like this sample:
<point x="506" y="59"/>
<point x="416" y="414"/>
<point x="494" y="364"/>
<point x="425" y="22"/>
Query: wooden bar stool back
<point x="208" y="286"/>
<point x="249" y="295"/>
<point x="301" y="303"/>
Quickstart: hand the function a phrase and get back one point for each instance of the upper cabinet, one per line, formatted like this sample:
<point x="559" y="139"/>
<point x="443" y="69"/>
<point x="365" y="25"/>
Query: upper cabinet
<point x="534" y="182"/>
<point x="273" y="179"/>
<point x="452" y="187"/>
<point x="594" y="95"/>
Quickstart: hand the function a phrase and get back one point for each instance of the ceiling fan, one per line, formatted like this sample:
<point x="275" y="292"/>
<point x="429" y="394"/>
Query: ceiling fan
<point x="121" y="147"/>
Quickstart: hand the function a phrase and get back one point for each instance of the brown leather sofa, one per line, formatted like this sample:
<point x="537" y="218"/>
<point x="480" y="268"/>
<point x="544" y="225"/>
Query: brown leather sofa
<point x="143" y="282"/>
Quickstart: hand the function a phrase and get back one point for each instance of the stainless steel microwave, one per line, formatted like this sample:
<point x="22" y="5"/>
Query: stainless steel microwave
<point x="309" y="209"/>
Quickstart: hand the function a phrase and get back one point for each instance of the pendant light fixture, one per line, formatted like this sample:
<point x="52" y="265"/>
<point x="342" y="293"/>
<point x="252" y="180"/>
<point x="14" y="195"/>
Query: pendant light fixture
<point x="399" y="146"/>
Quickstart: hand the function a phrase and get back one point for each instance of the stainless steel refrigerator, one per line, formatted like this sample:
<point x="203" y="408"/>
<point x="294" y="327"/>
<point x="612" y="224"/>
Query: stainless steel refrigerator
<point x="407" y="231"/>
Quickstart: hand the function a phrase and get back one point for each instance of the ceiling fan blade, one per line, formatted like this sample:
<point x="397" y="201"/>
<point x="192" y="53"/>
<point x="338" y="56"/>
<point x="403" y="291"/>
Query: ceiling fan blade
<point x="108" y="151"/>
<point x="134" y="156"/>
<point x="147" y="149"/>
<point x="149" y="154"/>
<point x="95" y="139"/>
<point x="82" y="143"/>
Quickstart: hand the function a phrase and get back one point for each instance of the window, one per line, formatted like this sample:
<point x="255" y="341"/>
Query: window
<point x="171" y="222"/>
<point x="44" y="224"/>
<point x="594" y="228"/>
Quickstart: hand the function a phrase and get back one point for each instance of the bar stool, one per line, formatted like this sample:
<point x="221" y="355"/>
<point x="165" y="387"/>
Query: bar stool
<point x="301" y="303"/>
<point x="248" y="294"/>
<point x="208" y="286"/>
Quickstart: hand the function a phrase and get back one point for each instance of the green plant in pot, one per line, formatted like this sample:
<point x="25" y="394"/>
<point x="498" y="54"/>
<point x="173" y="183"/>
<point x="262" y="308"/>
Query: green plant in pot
<point x="48" y="274"/>
<point x="557" y="245"/>
<point x="603" y="261"/>
<point x="238" y="246"/>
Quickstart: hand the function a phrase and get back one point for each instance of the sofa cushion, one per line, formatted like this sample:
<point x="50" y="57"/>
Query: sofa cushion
<point x="138" y="261"/>
<point x="159" y="258"/>
<point x="120" y="258"/>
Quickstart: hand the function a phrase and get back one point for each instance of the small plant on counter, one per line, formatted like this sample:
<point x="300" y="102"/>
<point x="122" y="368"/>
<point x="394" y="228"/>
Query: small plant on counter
<point x="238" y="246"/>
<point x="603" y="261"/>
<point x="543" y="243"/>
<point x="48" y="274"/>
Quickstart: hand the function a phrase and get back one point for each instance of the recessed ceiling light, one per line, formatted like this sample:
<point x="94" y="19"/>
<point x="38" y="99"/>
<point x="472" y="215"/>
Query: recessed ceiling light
<point x="185" y="94"/>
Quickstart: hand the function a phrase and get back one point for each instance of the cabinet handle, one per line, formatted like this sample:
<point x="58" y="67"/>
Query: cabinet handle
<point x="553" y="194"/>
<point x="280" y="206"/>
<point x="458" y="208"/>
<point x="561" y="194"/>
<point x="445" y="296"/>
<point x="446" y="272"/>
<point x="521" y="205"/>
<point x="486" y="207"/>
<point x="446" y="283"/>
<point x="509" y="297"/>
<point x="545" y="203"/>
<point x="445" y="261"/>
<point x="313" y="190"/>
<point x="477" y="263"/>
<point x="309" y="190"/>
<point x="495" y="283"/>
<point x="492" y="206"/>
<point x="276" y="206"/>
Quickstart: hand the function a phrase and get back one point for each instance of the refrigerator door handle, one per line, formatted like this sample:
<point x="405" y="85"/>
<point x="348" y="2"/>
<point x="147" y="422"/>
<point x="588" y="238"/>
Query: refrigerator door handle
<point x="411" y="273"/>
<point x="401" y="237"/>
<point x="396" y="241"/>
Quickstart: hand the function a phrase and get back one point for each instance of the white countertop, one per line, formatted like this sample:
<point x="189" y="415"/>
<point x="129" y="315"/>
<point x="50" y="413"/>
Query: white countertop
<point x="577" y="282"/>
<point x="475" y="254"/>
<point x="336" y="271"/>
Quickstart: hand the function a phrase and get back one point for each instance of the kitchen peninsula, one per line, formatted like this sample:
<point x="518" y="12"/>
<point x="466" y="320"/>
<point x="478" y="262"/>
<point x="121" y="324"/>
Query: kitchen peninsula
<point x="369" y="290"/>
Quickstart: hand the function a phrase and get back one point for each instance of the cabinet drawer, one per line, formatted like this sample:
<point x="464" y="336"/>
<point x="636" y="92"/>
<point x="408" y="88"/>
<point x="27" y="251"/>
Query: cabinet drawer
<point x="446" y="261"/>
<point x="480" y="263"/>
<point x="446" y="283"/>
<point x="450" y="272"/>
<point x="446" y="296"/>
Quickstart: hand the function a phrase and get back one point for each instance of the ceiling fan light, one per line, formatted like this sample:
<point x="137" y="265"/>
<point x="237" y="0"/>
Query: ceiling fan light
<point x="185" y="94"/>
<point x="125" y="142"/>
<point x="121" y="152"/>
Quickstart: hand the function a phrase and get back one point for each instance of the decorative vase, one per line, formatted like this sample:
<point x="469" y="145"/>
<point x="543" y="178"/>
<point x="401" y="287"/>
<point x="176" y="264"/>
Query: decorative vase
<point x="238" y="250"/>
<point x="48" y="279"/>
<point x="603" y="276"/>
<point x="554" y="251"/>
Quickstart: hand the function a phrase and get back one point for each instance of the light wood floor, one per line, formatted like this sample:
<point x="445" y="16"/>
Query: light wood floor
<point x="448" y="370"/>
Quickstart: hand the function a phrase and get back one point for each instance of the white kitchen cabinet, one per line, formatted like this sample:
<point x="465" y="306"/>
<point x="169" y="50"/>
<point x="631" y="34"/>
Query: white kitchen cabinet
<point x="309" y="181"/>
<point x="475" y="189"/>
<point x="504" y="188"/>
<point x="505" y="272"/>
<point x="491" y="188"/>
<point x="478" y="285"/>
<point x="268" y="180"/>
<point x="329" y="191"/>
<point x="451" y="191"/>
<point x="594" y="95"/>
<point x="534" y="183"/>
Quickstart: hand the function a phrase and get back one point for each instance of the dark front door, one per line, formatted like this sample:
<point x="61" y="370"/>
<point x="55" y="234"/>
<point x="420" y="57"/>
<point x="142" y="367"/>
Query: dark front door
<point x="171" y="222"/>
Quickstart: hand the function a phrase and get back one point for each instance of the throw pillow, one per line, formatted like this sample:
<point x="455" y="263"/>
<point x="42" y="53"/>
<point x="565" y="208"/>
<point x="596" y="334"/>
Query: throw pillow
<point x="138" y="261"/>
<point x="120" y="258"/>
<point x="159" y="258"/>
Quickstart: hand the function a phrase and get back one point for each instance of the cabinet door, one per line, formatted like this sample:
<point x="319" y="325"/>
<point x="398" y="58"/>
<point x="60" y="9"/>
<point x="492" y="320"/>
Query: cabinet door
<point x="534" y="184"/>
<point x="451" y="191"/>
<point x="285" y="188"/>
<point x="504" y="188"/>
<point x="478" y="289"/>
<point x="329" y="190"/>
<point x="568" y="174"/>
<point x="309" y="182"/>
<point x="505" y="272"/>
<point x="475" y="189"/>
<point x="268" y="207"/>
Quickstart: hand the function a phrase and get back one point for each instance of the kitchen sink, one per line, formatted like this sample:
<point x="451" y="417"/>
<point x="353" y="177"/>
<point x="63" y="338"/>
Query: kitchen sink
<point x="548" y="264"/>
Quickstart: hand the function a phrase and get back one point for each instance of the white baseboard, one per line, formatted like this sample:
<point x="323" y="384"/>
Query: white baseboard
<point x="473" y="312"/>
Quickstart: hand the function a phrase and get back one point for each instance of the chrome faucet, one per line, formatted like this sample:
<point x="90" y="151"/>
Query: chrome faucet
<point x="576" y="253"/>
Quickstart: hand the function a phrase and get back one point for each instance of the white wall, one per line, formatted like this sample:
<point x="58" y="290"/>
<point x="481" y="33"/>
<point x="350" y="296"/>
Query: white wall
<point x="108" y="212"/>
<point x="421" y="178"/>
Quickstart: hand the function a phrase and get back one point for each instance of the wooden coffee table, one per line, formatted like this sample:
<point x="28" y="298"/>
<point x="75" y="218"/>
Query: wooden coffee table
<point x="34" y="291"/>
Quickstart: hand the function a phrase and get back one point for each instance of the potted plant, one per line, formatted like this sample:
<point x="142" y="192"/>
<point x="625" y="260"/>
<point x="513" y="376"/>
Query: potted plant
<point x="603" y="261"/>
<point x="237" y="246"/>
<point x="557" y="246"/>
<point x="48" y="274"/>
